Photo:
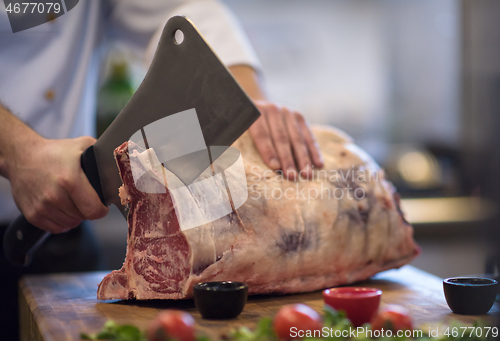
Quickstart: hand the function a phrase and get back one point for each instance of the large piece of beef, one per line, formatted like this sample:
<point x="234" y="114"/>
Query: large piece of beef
<point x="294" y="243"/>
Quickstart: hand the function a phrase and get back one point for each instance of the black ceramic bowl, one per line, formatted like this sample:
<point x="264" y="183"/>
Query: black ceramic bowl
<point x="220" y="300"/>
<point x="470" y="295"/>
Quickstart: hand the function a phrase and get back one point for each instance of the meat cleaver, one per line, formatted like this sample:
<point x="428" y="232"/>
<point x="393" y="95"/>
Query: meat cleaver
<point x="184" y="77"/>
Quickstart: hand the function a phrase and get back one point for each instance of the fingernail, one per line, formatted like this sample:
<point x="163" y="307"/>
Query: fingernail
<point x="307" y="172"/>
<point x="291" y="173"/>
<point x="321" y="160"/>
<point x="274" y="164"/>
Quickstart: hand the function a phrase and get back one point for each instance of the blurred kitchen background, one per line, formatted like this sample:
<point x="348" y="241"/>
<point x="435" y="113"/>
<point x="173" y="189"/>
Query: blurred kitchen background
<point x="416" y="83"/>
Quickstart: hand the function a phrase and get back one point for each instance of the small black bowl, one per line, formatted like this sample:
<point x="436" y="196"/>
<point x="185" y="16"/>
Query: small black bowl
<point x="220" y="300"/>
<point x="470" y="295"/>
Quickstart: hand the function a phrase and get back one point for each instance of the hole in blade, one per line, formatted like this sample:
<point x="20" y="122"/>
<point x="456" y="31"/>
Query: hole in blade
<point x="178" y="37"/>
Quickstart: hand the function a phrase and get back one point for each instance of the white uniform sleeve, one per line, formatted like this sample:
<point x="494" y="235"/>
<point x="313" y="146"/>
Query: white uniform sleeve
<point x="139" y="22"/>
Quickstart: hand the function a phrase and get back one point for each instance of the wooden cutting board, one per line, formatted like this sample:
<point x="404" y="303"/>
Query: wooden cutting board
<point x="61" y="306"/>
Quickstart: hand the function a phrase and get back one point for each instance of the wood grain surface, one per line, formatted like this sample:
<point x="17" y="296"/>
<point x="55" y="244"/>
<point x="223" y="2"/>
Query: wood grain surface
<point x="61" y="306"/>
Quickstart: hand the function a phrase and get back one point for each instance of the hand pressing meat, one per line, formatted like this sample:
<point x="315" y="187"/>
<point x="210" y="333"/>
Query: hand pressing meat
<point x="281" y="135"/>
<point x="342" y="226"/>
<point x="285" y="141"/>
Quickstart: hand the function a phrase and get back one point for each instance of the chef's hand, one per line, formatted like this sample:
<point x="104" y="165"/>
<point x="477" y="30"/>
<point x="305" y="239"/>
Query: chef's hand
<point x="282" y="136"/>
<point x="50" y="188"/>
<point x="285" y="141"/>
<point x="48" y="183"/>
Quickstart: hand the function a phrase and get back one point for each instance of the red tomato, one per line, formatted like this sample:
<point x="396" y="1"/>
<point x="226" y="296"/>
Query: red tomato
<point x="172" y="324"/>
<point x="392" y="317"/>
<point x="295" y="321"/>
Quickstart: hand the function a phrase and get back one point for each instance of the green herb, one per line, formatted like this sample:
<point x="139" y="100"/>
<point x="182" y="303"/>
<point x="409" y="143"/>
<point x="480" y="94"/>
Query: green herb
<point x="264" y="331"/>
<point x="336" y="319"/>
<point x="203" y="338"/>
<point x="115" y="332"/>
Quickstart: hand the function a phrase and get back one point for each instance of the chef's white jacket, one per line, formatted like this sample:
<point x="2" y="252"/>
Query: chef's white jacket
<point x="49" y="73"/>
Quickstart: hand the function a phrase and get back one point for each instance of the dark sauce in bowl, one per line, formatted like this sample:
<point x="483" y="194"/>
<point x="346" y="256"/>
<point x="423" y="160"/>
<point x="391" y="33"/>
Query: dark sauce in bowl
<point x="470" y="295"/>
<point x="220" y="300"/>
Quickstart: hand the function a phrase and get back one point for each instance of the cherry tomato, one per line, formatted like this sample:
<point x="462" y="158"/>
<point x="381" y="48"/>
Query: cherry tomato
<point x="295" y="321"/>
<point x="172" y="324"/>
<point x="392" y="317"/>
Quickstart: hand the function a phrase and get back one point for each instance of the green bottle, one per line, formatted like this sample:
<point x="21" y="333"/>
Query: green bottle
<point x="113" y="95"/>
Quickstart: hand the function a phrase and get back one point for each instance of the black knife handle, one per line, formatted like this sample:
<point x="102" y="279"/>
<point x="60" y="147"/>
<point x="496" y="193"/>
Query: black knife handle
<point x="89" y="166"/>
<point x="22" y="239"/>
